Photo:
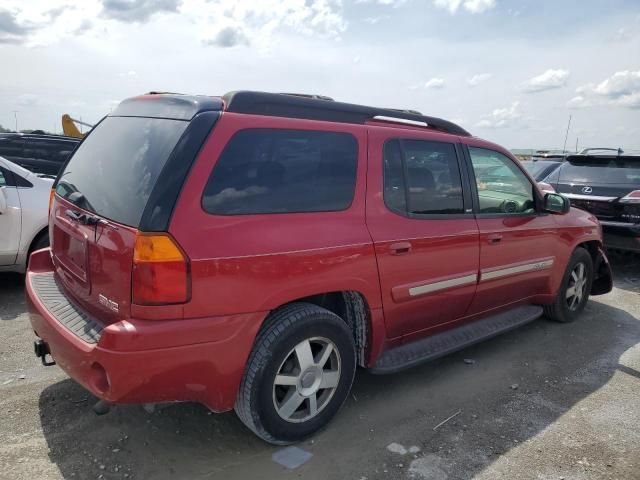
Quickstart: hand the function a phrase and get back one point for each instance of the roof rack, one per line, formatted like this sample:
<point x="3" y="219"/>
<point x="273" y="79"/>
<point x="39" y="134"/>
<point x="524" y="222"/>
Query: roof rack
<point x="311" y="107"/>
<point x="586" y="151"/>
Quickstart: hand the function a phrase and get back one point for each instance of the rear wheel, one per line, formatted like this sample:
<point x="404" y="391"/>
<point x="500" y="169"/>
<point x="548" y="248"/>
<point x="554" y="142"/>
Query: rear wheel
<point x="574" y="289"/>
<point x="298" y="375"/>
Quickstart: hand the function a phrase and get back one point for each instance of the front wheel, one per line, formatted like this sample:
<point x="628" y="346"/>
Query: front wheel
<point x="574" y="289"/>
<point x="298" y="375"/>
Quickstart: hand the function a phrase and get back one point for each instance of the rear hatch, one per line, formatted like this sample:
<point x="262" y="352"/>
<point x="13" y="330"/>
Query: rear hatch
<point x="603" y="185"/>
<point x="123" y="177"/>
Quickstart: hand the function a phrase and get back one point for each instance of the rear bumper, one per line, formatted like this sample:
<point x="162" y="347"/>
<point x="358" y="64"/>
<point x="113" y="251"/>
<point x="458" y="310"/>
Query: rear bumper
<point x="143" y="361"/>
<point x="621" y="236"/>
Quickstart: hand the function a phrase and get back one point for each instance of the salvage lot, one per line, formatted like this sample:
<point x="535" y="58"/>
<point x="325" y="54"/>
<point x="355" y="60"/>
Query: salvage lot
<point x="547" y="401"/>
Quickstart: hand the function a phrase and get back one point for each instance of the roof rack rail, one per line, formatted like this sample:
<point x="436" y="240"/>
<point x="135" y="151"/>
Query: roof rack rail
<point x="585" y="151"/>
<point x="309" y="95"/>
<point x="304" y="107"/>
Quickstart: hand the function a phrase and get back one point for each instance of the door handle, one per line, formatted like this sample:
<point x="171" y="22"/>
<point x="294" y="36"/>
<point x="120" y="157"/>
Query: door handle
<point x="400" y="248"/>
<point x="494" y="238"/>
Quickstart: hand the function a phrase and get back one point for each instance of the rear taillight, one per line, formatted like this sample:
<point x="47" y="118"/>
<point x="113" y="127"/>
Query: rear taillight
<point x="160" y="271"/>
<point x="52" y="194"/>
<point x="633" y="197"/>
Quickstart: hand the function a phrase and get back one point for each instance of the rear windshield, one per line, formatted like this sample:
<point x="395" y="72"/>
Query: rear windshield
<point x="621" y="170"/>
<point x="114" y="170"/>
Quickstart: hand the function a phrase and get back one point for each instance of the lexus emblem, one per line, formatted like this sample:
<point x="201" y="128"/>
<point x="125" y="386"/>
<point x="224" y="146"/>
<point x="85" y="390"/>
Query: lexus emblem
<point x="587" y="189"/>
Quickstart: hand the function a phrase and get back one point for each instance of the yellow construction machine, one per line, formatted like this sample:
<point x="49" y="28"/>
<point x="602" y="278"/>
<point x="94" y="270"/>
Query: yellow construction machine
<point x="70" y="128"/>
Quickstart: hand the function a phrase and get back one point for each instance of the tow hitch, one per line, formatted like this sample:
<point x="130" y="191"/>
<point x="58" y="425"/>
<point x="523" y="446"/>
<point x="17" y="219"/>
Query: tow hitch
<point x="41" y="349"/>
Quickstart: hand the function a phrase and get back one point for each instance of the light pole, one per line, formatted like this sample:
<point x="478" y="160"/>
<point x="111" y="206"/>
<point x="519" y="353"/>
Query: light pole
<point x="15" y="115"/>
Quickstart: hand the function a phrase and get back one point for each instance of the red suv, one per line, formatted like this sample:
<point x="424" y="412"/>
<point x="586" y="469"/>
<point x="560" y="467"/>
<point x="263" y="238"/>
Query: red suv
<point x="249" y="251"/>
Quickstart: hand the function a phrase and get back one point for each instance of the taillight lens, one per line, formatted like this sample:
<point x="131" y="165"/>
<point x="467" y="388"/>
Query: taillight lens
<point x="52" y="194"/>
<point x="160" y="271"/>
<point x="633" y="197"/>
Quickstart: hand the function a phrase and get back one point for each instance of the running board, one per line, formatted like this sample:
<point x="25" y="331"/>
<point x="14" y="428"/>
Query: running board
<point x="414" y="353"/>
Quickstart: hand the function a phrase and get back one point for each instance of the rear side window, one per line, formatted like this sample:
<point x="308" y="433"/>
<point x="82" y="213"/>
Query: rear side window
<point x="283" y="171"/>
<point x="116" y="167"/>
<point x="48" y="149"/>
<point x="422" y="178"/>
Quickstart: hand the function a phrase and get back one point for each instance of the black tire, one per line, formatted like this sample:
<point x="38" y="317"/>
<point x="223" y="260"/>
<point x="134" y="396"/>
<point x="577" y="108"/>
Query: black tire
<point x="285" y="329"/>
<point x="41" y="242"/>
<point x="567" y="310"/>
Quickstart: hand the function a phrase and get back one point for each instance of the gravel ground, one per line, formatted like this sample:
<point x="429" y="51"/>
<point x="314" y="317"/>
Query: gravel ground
<point x="547" y="401"/>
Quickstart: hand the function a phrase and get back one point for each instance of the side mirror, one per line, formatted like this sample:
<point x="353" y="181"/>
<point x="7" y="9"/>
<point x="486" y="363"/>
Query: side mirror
<point x="556" y="203"/>
<point x="3" y="201"/>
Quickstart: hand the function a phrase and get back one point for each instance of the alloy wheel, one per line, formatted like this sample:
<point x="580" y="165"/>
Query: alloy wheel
<point x="577" y="286"/>
<point x="306" y="380"/>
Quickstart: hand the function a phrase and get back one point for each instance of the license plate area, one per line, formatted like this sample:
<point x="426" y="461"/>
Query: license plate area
<point x="71" y="250"/>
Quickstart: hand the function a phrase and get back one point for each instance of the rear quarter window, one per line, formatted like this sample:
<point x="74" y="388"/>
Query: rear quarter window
<point x="283" y="171"/>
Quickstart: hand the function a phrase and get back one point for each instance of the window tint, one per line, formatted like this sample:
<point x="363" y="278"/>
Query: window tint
<point x="433" y="185"/>
<point x="502" y="187"/>
<point x="602" y="170"/>
<point x="280" y="171"/>
<point x="116" y="167"/>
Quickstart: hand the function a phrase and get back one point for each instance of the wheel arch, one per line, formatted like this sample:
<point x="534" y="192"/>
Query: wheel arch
<point x="352" y="307"/>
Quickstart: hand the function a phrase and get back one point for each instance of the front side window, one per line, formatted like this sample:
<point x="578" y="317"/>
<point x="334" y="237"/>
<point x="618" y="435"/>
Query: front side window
<point x="283" y="171"/>
<point x="3" y="180"/>
<point x="422" y="178"/>
<point x="502" y="187"/>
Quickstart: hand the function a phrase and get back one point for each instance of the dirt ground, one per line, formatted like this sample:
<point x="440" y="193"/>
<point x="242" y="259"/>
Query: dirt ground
<point x="547" y="401"/>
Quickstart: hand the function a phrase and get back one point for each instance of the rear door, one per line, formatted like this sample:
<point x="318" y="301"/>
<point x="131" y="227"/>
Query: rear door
<point x="100" y="199"/>
<point x="518" y="244"/>
<point x="420" y="218"/>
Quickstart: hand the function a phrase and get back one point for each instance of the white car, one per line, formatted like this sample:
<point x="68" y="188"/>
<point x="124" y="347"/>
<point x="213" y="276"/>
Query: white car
<point x="24" y="211"/>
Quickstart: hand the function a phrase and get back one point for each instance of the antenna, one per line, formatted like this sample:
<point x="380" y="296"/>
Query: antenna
<point x="564" y="149"/>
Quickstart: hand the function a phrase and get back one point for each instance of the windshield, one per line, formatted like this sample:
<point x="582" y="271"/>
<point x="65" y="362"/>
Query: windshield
<point x="536" y="168"/>
<point x="115" y="169"/>
<point x="606" y="170"/>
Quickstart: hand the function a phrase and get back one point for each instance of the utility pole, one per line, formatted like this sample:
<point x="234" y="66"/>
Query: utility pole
<point x="577" y="144"/>
<point x="564" y="149"/>
<point x="15" y="115"/>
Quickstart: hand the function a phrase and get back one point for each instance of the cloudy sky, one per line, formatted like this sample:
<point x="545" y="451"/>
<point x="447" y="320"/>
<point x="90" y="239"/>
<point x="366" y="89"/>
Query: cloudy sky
<point x="511" y="71"/>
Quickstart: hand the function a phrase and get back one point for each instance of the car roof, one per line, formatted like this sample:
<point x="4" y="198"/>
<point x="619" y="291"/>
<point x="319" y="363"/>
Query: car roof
<point x="300" y="106"/>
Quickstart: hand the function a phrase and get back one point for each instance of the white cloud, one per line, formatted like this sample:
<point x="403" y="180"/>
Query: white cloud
<point x="471" y="6"/>
<point x="547" y="81"/>
<point x="27" y="100"/>
<point x="478" y="79"/>
<point x="620" y="89"/>
<point x="434" y="83"/>
<point x="501" y="117"/>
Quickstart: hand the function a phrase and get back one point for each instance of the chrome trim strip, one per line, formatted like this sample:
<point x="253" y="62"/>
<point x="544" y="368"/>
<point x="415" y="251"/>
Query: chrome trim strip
<point x="406" y="121"/>
<point x="436" y="286"/>
<point x="588" y="197"/>
<point x="611" y="223"/>
<point x="505" y="272"/>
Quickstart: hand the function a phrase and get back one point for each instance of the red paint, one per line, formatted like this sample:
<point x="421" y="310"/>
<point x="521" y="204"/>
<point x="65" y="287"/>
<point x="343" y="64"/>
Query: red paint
<point x="242" y="267"/>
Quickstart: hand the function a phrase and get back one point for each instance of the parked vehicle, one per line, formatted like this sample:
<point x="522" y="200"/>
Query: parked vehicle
<point x="24" y="200"/>
<point x="605" y="182"/>
<point x="541" y="169"/>
<point x="37" y="153"/>
<point x="250" y="251"/>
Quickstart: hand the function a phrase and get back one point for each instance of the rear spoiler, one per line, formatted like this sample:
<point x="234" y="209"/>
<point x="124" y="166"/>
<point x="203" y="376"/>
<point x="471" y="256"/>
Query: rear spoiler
<point x="586" y="159"/>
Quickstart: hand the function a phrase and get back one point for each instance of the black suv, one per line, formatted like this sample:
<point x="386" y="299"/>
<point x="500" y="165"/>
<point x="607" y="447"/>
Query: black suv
<point x="43" y="154"/>
<point x="605" y="182"/>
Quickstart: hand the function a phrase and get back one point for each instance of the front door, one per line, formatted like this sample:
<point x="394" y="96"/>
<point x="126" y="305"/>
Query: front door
<point x="518" y="242"/>
<point x="420" y="217"/>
